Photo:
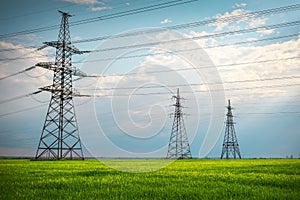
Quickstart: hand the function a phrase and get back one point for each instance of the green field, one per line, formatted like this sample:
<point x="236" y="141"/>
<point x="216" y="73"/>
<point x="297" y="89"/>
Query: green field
<point x="183" y="179"/>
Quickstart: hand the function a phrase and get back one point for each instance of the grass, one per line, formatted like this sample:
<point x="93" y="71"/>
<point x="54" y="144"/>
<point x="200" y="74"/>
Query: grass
<point x="183" y="179"/>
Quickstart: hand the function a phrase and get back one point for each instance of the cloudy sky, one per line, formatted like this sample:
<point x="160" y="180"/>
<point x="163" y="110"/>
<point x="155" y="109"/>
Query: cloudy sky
<point x="246" y="51"/>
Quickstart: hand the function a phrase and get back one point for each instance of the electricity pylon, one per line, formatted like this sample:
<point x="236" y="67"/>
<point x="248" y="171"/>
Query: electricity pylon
<point x="179" y="147"/>
<point x="230" y="144"/>
<point x="60" y="136"/>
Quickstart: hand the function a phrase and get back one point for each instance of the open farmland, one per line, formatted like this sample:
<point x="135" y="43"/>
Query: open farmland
<point x="183" y="179"/>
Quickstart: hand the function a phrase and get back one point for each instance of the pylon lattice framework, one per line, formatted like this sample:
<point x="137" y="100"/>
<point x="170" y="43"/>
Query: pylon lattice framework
<point x="230" y="144"/>
<point x="179" y="147"/>
<point x="60" y="135"/>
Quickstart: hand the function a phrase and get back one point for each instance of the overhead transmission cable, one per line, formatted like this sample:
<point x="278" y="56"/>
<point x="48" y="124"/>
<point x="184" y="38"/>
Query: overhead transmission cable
<point x="103" y="17"/>
<point x="230" y="89"/>
<point x="193" y="68"/>
<point x="256" y="113"/>
<point x="199" y="84"/>
<point x="23" y="110"/>
<point x="17" y="73"/>
<point x="248" y="30"/>
<point x="133" y="11"/>
<point x="198" y="23"/>
<point x="192" y="49"/>
<point x="178" y="40"/>
<point x="17" y="48"/>
<point x="159" y="71"/>
<point x="269" y="113"/>
<point x="19" y="97"/>
<point x="21" y="58"/>
<point x="192" y="24"/>
<point x="181" y="26"/>
<point x="188" y="92"/>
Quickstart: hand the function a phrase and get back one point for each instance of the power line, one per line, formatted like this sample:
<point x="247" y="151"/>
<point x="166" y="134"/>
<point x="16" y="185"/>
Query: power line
<point x="248" y="30"/>
<point x="280" y="25"/>
<point x="199" y="84"/>
<point x="186" y="25"/>
<point x="17" y="73"/>
<point x="124" y="13"/>
<point x="17" y="48"/>
<point x="265" y="113"/>
<point x="186" y="69"/>
<point x="192" y="68"/>
<point x="184" y="50"/>
<point x="25" y="54"/>
<point x="198" y="23"/>
<point x="270" y="113"/>
<point x="189" y="92"/>
<point x="280" y="103"/>
<point x="104" y="17"/>
<point x="162" y="53"/>
<point x="258" y="103"/>
<point x="154" y="93"/>
<point x="32" y="108"/>
<point x="199" y="37"/>
<point x="19" y="97"/>
<point x="238" y="113"/>
<point x="22" y="58"/>
<point x="133" y="11"/>
<point x="23" y="110"/>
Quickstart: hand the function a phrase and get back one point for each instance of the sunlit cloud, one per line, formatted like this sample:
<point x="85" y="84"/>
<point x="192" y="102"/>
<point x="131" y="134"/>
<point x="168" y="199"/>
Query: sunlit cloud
<point x="166" y="21"/>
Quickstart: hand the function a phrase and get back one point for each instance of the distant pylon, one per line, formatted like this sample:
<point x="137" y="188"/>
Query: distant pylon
<point x="60" y="136"/>
<point x="179" y="147"/>
<point x="230" y="144"/>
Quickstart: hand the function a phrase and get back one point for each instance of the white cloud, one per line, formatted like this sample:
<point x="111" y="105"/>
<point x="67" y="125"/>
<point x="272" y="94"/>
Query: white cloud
<point x="100" y="8"/>
<point x="241" y="19"/>
<point x="256" y="22"/>
<point x="83" y="2"/>
<point x="166" y="21"/>
<point x="258" y="70"/>
<point x="221" y="24"/>
<point x="77" y="38"/>
<point x="240" y="5"/>
<point x="31" y="57"/>
<point x="203" y="42"/>
<point x="251" y="39"/>
<point x="265" y="31"/>
<point x="23" y="83"/>
<point x="26" y="37"/>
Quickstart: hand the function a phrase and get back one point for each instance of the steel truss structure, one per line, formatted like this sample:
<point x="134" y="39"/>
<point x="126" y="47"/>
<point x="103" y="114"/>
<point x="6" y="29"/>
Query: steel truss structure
<point x="179" y="147"/>
<point x="60" y="136"/>
<point x="230" y="144"/>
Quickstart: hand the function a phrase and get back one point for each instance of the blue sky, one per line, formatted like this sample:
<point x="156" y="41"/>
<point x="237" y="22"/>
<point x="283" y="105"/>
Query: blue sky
<point x="264" y="92"/>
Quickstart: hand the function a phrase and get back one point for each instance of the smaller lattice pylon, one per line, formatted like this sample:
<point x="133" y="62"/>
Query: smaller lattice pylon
<point x="230" y="148"/>
<point x="179" y="147"/>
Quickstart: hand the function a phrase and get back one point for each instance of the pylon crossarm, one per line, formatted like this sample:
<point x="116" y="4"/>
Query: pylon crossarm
<point x="53" y="66"/>
<point x="68" y="47"/>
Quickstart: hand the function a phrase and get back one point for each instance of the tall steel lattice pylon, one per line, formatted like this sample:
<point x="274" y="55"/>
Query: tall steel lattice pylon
<point x="179" y="147"/>
<point x="230" y="144"/>
<point x="60" y="136"/>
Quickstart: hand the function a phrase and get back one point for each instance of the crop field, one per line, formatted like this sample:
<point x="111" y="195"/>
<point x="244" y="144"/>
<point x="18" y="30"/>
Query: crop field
<point x="183" y="179"/>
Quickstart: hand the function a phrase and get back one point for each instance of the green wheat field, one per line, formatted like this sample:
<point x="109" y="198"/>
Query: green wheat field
<point x="183" y="179"/>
